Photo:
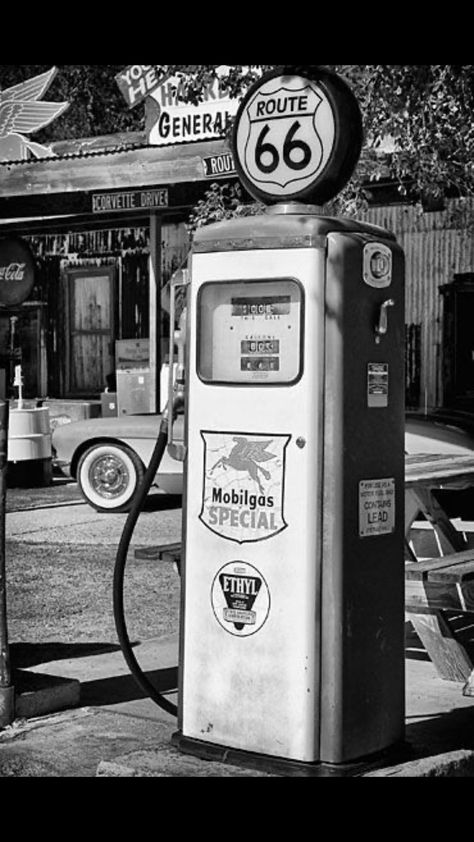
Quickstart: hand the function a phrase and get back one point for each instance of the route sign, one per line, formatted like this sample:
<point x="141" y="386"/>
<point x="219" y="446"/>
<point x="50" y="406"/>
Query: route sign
<point x="297" y="136"/>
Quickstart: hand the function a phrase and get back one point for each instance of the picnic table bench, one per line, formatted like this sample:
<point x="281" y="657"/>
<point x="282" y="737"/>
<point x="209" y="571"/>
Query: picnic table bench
<point x="439" y="602"/>
<point x="170" y="552"/>
<point x="439" y="592"/>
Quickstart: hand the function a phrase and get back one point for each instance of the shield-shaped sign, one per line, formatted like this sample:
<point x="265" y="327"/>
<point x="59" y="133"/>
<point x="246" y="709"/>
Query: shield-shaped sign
<point x="243" y="485"/>
<point x="283" y="146"/>
<point x="297" y="135"/>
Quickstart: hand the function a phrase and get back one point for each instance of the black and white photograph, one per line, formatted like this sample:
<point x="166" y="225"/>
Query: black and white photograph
<point x="236" y="420"/>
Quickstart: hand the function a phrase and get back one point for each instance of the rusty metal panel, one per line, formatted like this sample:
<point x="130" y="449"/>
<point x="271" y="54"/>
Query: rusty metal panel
<point x="437" y="245"/>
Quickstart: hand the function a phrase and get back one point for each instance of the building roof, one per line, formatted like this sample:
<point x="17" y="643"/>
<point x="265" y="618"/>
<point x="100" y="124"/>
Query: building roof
<point x="64" y="183"/>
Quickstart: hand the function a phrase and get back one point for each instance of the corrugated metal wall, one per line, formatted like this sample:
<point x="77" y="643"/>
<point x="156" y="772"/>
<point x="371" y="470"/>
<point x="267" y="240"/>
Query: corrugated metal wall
<point x="437" y="245"/>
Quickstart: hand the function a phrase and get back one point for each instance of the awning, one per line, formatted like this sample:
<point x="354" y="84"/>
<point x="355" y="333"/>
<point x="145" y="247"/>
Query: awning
<point x="135" y="180"/>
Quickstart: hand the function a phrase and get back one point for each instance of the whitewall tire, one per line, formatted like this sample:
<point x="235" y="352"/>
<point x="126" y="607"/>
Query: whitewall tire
<point x="109" y="476"/>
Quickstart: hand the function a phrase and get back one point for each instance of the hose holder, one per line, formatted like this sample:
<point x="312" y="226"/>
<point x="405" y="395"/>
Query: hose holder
<point x="176" y="385"/>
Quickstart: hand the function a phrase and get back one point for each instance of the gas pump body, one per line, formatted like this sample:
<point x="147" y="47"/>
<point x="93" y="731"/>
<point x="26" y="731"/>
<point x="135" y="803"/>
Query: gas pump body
<point x="292" y="615"/>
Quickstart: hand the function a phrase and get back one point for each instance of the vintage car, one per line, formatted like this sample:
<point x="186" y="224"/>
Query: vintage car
<point x="108" y="456"/>
<point x="439" y="431"/>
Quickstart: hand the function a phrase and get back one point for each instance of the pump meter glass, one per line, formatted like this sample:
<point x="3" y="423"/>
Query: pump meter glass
<point x="250" y="332"/>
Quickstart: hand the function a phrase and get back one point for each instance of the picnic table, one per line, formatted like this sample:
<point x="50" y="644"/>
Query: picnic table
<point x="426" y="473"/>
<point x="439" y="592"/>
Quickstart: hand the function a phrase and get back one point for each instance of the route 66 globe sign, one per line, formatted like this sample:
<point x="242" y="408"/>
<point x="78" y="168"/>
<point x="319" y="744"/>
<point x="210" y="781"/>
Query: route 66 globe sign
<point x="297" y="135"/>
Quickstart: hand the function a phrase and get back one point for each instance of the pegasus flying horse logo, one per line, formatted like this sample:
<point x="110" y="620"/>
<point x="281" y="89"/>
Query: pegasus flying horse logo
<point x="245" y="456"/>
<point x="21" y="113"/>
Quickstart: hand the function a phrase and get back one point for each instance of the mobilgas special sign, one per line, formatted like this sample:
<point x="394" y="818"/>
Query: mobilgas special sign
<point x="243" y="486"/>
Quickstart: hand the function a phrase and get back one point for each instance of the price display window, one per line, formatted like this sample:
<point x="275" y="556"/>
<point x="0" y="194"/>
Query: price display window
<point x="250" y="332"/>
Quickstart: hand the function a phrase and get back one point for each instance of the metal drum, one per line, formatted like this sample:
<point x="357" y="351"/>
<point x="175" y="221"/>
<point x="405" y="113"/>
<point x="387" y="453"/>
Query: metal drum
<point x="29" y="447"/>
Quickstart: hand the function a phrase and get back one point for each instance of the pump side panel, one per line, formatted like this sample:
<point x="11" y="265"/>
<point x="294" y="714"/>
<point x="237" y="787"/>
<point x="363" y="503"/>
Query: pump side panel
<point x="362" y="683"/>
<point x="255" y="689"/>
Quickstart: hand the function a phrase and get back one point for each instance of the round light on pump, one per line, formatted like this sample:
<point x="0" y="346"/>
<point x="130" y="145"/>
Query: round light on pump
<point x="379" y="264"/>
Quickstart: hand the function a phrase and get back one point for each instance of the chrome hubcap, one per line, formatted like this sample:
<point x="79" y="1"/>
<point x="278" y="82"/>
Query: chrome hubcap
<point x="109" y="476"/>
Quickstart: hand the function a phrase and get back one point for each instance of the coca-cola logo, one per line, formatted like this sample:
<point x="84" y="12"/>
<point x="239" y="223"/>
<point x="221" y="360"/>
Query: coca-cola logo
<point x="17" y="271"/>
<point x="12" y="272"/>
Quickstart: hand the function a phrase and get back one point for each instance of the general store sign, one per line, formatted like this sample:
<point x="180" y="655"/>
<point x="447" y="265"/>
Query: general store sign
<point x="183" y="122"/>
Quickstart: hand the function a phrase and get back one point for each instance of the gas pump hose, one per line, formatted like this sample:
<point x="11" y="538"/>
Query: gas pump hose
<point x="119" y="571"/>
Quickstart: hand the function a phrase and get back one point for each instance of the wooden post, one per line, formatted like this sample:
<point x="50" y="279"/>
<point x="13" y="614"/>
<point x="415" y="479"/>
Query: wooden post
<point x="155" y="311"/>
<point x="6" y="688"/>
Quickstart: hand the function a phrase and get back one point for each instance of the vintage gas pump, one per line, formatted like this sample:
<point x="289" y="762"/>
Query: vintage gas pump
<point x="292" y="611"/>
<point x="292" y="621"/>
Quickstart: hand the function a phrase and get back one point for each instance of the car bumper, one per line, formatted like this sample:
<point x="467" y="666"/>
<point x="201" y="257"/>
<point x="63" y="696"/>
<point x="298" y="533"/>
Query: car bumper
<point x="62" y="468"/>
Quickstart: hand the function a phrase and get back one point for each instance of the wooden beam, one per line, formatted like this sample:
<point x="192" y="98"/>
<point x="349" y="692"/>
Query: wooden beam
<point x="129" y="169"/>
<point x="18" y="211"/>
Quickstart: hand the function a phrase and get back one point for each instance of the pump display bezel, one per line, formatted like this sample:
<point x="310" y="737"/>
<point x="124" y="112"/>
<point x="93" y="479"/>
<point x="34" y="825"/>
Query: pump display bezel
<point x="257" y="382"/>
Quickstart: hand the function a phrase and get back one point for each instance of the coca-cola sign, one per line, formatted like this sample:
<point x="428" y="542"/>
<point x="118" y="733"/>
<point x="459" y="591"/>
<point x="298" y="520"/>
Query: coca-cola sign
<point x="17" y="271"/>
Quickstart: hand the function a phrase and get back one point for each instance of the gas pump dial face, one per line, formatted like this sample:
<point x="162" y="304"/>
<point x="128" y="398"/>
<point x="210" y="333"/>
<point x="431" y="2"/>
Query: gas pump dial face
<point x="250" y="332"/>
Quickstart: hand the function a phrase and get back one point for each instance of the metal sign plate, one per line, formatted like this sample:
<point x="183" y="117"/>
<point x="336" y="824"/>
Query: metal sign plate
<point x="297" y="137"/>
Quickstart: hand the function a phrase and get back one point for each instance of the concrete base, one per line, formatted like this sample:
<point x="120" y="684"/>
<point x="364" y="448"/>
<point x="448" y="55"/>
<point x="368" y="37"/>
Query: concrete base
<point x="37" y="694"/>
<point x="7" y="706"/>
<point x="451" y="764"/>
<point x="122" y="734"/>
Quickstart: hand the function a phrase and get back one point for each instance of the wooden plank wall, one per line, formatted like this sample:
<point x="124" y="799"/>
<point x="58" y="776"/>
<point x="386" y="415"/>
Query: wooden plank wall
<point x="128" y="250"/>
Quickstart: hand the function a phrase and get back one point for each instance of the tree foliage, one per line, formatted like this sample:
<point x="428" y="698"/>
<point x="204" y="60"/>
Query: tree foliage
<point x="96" y="105"/>
<point x="418" y="124"/>
<point x="418" y="120"/>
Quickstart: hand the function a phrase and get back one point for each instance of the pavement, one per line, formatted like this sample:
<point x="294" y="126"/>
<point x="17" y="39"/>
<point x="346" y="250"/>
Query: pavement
<point x="86" y="716"/>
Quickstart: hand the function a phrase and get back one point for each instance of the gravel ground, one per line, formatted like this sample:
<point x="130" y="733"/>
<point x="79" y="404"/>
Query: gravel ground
<point x="60" y="492"/>
<point x="59" y="597"/>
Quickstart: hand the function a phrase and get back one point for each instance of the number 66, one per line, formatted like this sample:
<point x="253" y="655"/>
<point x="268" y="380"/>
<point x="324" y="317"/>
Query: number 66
<point x="289" y="147"/>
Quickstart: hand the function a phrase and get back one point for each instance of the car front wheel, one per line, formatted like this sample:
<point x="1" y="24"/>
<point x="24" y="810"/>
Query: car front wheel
<point x="109" y="476"/>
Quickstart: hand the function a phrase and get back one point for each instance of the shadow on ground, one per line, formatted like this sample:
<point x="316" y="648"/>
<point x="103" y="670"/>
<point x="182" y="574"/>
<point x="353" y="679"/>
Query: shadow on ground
<point x="67" y="492"/>
<point x="157" y="502"/>
<point x="24" y="655"/>
<point x="449" y="731"/>
<point x="124" y="688"/>
<point x="105" y="690"/>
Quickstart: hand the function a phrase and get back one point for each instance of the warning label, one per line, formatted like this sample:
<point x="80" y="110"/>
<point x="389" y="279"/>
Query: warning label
<point x="377" y="384"/>
<point x="376" y="507"/>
